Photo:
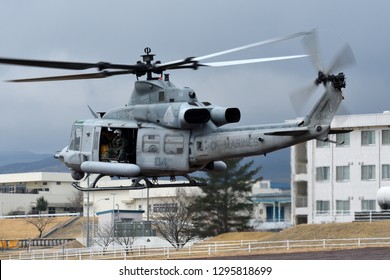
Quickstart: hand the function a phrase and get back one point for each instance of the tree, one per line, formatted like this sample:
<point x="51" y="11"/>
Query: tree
<point x="40" y="223"/>
<point x="174" y="222"/>
<point x="125" y="235"/>
<point x="104" y="236"/>
<point x="76" y="201"/>
<point x="41" y="204"/>
<point x="224" y="205"/>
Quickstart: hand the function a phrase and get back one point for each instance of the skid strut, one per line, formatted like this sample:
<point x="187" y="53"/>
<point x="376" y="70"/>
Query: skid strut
<point x="140" y="183"/>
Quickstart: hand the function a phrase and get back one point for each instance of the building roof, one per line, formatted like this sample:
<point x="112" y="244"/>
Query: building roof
<point x="278" y="197"/>
<point x="362" y="120"/>
<point x="35" y="177"/>
<point x="120" y="211"/>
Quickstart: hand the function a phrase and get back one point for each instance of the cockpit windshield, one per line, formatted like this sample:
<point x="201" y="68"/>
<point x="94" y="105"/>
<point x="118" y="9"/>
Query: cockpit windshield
<point x="75" y="140"/>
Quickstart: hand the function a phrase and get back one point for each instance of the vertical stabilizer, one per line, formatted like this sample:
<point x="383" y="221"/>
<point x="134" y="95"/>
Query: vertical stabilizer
<point x="326" y="108"/>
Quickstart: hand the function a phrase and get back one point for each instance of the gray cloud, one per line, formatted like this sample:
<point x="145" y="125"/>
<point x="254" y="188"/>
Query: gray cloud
<point x="38" y="117"/>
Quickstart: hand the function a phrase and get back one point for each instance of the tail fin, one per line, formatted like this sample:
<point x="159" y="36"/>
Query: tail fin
<point x="326" y="108"/>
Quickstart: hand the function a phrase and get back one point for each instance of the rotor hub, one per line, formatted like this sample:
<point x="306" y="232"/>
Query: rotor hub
<point x="338" y="81"/>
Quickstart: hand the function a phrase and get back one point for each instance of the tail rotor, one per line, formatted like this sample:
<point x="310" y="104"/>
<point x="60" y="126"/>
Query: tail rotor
<point x="343" y="59"/>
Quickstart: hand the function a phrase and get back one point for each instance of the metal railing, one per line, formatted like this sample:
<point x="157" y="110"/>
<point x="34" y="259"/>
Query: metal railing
<point x="196" y="250"/>
<point x="349" y="216"/>
<point x="40" y="215"/>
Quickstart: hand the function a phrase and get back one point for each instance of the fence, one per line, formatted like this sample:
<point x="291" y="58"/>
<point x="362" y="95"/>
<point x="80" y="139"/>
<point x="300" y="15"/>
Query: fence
<point x="39" y="215"/>
<point x="349" y="216"/>
<point x="196" y="250"/>
<point x="28" y="243"/>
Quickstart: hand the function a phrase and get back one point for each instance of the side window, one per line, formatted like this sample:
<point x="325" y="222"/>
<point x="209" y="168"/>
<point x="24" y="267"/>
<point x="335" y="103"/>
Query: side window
<point x="322" y="206"/>
<point x="151" y="143"/>
<point x="322" y="173"/>
<point x="343" y="138"/>
<point x="385" y="171"/>
<point x="368" y="137"/>
<point x="174" y="144"/>
<point x="75" y="141"/>
<point x="386" y="137"/>
<point x="322" y="144"/>
<point x="368" y="172"/>
<point x="342" y="173"/>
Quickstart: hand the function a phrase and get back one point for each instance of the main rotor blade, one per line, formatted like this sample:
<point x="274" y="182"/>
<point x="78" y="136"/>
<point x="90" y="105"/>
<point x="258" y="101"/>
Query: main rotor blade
<point x="248" y="61"/>
<point x="66" y="65"/>
<point x="192" y="62"/>
<point x="273" y="40"/>
<point x="98" y="75"/>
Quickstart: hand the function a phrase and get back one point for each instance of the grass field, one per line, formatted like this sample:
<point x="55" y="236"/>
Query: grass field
<point x="20" y="229"/>
<point x="317" y="231"/>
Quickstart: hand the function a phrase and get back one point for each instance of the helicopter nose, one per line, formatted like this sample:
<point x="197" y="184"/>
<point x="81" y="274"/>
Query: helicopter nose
<point x="60" y="154"/>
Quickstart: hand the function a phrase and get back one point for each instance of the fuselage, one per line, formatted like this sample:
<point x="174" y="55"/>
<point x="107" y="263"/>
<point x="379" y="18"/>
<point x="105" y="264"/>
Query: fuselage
<point x="178" y="136"/>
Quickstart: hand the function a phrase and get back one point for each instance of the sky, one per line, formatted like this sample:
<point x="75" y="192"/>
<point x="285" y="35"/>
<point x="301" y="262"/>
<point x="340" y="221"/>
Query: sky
<point x="37" y="117"/>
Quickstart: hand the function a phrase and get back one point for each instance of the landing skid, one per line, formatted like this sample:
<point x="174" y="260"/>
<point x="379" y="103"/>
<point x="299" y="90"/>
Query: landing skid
<point x="139" y="185"/>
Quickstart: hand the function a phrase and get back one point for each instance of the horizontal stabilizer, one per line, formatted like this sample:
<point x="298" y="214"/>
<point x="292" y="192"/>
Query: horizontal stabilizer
<point x="340" y="131"/>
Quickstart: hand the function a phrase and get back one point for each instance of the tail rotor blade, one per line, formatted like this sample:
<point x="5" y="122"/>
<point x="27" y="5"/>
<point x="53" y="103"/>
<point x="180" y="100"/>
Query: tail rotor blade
<point x="300" y="97"/>
<point x="311" y="44"/>
<point x="342" y="60"/>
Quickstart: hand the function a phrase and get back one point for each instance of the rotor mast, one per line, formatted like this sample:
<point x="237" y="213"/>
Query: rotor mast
<point x="147" y="59"/>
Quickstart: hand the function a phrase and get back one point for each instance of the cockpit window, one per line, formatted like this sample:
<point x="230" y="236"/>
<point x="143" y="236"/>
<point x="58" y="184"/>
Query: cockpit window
<point x="75" y="141"/>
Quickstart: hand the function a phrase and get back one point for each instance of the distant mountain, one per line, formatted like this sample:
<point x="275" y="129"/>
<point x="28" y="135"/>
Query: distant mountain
<point x="20" y="162"/>
<point x="9" y="157"/>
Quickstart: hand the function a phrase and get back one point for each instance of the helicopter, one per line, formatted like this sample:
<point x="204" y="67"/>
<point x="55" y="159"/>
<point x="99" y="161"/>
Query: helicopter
<point x="165" y="131"/>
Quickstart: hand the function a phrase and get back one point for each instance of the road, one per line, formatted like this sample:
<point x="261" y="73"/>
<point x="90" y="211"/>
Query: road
<point x="350" y="254"/>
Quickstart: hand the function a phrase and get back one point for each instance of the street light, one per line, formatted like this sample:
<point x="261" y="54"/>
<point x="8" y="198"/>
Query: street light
<point x="93" y="215"/>
<point x="113" y="215"/>
<point x="95" y="202"/>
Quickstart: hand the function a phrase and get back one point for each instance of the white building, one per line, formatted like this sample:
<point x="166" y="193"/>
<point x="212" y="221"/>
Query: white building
<point x="330" y="182"/>
<point x="19" y="192"/>
<point x="148" y="201"/>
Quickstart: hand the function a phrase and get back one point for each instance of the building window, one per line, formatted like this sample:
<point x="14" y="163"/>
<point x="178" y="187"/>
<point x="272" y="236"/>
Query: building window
<point x="51" y="210"/>
<point x="368" y="172"/>
<point x="343" y="138"/>
<point x="322" y="206"/>
<point x="165" y="207"/>
<point x="385" y="171"/>
<point x="342" y="173"/>
<point x="322" y="144"/>
<point x="386" y="137"/>
<point x="322" y="173"/>
<point x="368" y="205"/>
<point x="343" y="206"/>
<point x="368" y="137"/>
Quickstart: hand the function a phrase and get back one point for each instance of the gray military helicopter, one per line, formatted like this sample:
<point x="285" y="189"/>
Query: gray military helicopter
<point x="165" y="131"/>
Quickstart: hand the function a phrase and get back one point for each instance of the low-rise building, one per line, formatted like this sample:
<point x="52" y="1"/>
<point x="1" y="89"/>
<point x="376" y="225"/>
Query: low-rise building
<point x="19" y="192"/>
<point x="272" y="209"/>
